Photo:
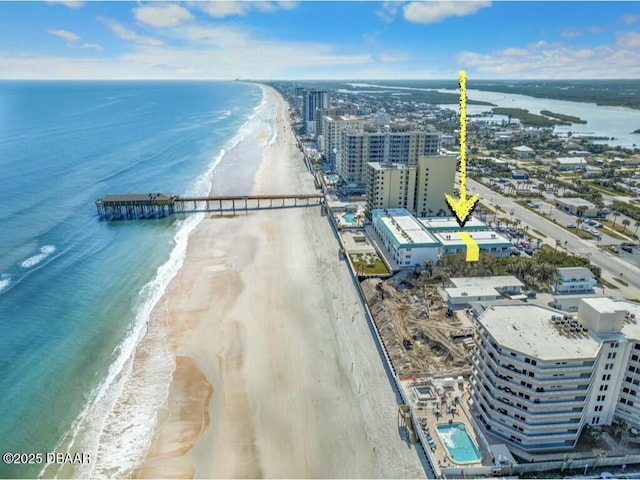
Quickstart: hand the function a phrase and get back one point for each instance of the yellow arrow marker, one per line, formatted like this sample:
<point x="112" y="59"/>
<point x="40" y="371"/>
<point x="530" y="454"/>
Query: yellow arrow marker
<point x="462" y="207"/>
<point x="473" y="251"/>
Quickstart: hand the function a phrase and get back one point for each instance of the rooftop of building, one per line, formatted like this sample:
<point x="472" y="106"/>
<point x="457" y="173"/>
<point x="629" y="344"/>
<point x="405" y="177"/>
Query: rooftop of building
<point x="497" y="281"/>
<point x="381" y="166"/>
<point x="434" y="224"/>
<point x="569" y="160"/>
<point x="472" y="291"/>
<point x="566" y="273"/>
<point x="481" y="237"/>
<point x="576" y="202"/>
<point x="527" y="328"/>
<point x="404" y="228"/>
<point x="631" y="328"/>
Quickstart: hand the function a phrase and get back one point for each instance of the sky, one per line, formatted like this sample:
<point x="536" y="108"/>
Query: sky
<point x="305" y="40"/>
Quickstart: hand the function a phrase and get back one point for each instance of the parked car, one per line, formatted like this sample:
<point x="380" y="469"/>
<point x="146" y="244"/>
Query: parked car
<point x="627" y="249"/>
<point x="571" y="225"/>
<point x="614" y="249"/>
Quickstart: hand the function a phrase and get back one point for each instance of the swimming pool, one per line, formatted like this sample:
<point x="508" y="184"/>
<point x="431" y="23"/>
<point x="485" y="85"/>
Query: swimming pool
<point x="333" y="178"/>
<point x="459" y="444"/>
<point x="348" y="217"/>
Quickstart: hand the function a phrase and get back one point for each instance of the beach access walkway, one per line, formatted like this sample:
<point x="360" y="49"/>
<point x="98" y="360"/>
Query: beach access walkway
<point x="157" y="205"/>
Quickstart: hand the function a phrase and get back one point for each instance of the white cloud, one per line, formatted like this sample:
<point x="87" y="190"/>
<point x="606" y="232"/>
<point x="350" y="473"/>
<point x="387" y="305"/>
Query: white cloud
<point x="91" y="46"/>
<point x="223" y="8"/>
<point x="388" y="10"/>
<point x="551" y="61"/>
<point x="218" y="36"/>
<point x="124" y="33"/>
<point x="630" y="19"/>
<point x="629" y="40"/>
<point x="595" y="30"/>
<point x="571" y="32"/>
<point x="67" y="35"/>
<point x="67" y="4"/>
<point x="431" y="11"/>
<point x="162" y="15"/>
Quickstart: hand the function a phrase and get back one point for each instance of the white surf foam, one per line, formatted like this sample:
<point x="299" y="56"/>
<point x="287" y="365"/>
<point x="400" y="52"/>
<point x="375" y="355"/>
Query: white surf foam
<point x="5" y="281"/>
<point x="36" y="259"/>
<point x="116" y="427"/>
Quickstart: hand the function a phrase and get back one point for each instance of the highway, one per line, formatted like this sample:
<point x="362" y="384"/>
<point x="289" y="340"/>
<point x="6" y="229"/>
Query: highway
<point x="611" y="265"/>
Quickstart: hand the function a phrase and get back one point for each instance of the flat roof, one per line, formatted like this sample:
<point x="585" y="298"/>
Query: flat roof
<point x="604" y="305"/>
<point x="575" y="201"/>
<point x="497" y="281"/>
<point x="472" y="292"/>
<point x="526" y="328"/>
<point x="483" y="238"/>
<point x="390" y="166"/>
<point x="450" y="223"/>
<point x="404" y="228"/>
<point x="631" y="330"/>
<point x="569" y="160"/>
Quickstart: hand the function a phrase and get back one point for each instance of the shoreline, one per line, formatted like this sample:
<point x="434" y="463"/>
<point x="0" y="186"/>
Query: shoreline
<point x="270" y="368"/>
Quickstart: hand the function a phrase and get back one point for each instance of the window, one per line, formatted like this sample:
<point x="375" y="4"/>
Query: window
<point x="606" y="377"/>
<point x="611" y="355"/>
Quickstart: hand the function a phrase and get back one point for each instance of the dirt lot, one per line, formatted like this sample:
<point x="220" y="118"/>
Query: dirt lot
<point x="417" y="315"/>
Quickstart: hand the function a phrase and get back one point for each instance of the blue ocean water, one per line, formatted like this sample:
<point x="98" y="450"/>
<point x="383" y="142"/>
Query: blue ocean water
<point x="72" y="289"/>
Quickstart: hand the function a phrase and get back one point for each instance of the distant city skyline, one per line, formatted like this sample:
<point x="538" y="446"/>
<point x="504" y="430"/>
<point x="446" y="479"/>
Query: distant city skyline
<point x="307" y="40"/>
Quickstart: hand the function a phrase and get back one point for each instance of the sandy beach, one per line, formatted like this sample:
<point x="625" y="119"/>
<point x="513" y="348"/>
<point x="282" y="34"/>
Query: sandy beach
<point x="277" y="374"/>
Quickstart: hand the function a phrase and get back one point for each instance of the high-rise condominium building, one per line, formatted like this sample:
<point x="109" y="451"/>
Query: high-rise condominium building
<point x="419" y="187"/>
<point x="313" y="99"/>
<point x="400" y="143"/>
<point x="539" y="376"/>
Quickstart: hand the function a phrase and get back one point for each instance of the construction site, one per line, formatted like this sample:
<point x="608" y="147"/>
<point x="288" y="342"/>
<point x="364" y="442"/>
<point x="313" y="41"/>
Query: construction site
<point x="421" y="335"/>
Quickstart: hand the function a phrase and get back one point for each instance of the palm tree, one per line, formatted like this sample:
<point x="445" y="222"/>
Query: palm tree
<point x="615" y="215"/>
<point x="558" y="242"/>
<point x="625" y="222"/>
<point x="579" y="222"/>
<point x="637" y="224"/>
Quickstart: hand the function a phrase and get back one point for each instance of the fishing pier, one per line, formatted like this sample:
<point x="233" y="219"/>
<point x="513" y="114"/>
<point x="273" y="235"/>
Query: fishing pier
<point x="158" y="205"/>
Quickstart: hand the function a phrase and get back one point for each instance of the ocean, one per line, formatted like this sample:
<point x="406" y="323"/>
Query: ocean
<point x="75" y="292"/>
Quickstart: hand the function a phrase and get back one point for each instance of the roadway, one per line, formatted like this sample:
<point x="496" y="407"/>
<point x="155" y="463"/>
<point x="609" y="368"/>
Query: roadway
<point x="610" y="263"/>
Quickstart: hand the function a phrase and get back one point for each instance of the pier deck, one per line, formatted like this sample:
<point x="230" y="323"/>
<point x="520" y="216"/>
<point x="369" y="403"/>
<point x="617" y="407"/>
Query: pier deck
<point x="158" y="205"/>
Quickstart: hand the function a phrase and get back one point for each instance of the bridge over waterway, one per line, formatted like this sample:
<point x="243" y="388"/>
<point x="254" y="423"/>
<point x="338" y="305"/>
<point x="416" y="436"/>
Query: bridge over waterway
<point x="158" y="205"/>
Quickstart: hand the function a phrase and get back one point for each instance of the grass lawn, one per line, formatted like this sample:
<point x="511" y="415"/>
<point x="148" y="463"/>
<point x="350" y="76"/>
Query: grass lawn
<point x="621" y="282"/>
<point x="618" y="228"/>
<point x="603" y="189"/>
<point x="376" y="268"/>
<point x="537" y="232"/>
<point x="612" y="234"/>
<point x="608" y="285"/>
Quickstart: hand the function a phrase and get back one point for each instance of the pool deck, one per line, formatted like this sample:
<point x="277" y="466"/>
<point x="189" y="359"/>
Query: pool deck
<point x="442" y="411"/>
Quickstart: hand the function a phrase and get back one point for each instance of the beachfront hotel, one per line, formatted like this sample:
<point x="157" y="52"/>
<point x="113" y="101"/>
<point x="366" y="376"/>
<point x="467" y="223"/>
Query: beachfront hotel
<point x="419" y="187"/>
<point x="400" y="142"/>
<point x="312" y="100"/>
<point x="404" y="239"/>
<point x="539" y="376"/>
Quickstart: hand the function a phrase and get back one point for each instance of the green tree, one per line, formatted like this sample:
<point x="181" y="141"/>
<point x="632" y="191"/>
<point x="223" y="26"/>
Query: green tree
<point x="615" y="216"/>
<point x="625" y="223"/>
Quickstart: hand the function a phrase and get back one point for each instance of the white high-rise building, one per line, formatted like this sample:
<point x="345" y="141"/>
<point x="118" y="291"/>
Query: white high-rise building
<point x="313" y="99"/>
<point x="332" y="131"/>
<point x="401" y="143"/>
<point x="418" y="187"/>
<point x="540" y="376"/>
